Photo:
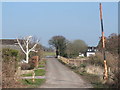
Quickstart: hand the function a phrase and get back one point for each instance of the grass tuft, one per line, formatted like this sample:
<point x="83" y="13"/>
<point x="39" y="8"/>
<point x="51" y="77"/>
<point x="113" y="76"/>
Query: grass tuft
<point x="30" y="83"/>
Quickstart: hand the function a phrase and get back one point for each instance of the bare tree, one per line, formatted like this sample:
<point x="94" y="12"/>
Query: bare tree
<point x="27" y="51"/>
<point x="111" y="43"/>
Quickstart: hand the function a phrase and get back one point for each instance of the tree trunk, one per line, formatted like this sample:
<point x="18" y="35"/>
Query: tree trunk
<point x="57" y="53"/>
<point x="27" y="57"/>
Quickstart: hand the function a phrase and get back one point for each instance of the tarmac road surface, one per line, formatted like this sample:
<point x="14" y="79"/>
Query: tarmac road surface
<point x="60" y="76"/>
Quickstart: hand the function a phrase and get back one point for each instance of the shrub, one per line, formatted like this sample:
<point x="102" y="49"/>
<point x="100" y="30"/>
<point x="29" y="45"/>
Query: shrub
<point x="96" y="60"/>
<point x="9" y="66"/>
<point x="14" y="53"/>
<point x="28" y="66"/>
<point x="112" y="63"/>
<point x="25" y="66"/>
<point x="8" y="73"/>
<point x="73" y="67"/>
<point x="32" y="63"/>
<point x="8" y="53"/>
<point x="83" y="65"/>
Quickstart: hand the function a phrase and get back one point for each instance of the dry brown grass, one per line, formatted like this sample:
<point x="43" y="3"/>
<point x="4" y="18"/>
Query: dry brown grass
<point x="8" y="72"/>
<point x="112" y="63"/>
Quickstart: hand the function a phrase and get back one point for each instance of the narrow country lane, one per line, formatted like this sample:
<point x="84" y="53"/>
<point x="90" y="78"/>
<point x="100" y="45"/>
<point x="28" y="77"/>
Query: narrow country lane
<point x="59" y="76"/>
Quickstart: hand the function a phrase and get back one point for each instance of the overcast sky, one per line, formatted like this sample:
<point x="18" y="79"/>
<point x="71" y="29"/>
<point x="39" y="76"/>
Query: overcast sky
<point x="73" y="20"/>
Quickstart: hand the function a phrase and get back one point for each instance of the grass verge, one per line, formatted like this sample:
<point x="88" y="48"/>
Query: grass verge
<point x="91" y="78"/>
<point x="38" y="72"/>
<point x="42" y="64"/>
<point x="94" y="80"/>
<point x="30" y="84"/>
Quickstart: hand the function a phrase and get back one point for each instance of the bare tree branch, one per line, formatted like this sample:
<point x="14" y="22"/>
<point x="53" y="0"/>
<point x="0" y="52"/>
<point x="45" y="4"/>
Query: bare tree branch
<point x="32" y="49"/>
<point x="21" y="46"/>
<point x="24" y="42"/>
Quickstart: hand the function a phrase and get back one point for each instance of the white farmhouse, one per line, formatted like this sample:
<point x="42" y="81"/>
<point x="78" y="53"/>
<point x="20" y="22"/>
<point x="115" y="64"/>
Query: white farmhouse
<point x="91" y="51"/>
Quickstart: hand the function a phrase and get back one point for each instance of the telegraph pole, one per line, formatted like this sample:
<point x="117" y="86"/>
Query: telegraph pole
<point x="105" y="76"/>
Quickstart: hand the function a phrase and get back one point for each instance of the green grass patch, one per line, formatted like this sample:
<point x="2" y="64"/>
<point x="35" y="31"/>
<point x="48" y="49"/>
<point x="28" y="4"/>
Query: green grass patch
<point x="49" y="53"/>
<point x="39" y="72"/>
<point x="83" y="65"/>
<point x="30" y="83"/>
<point x="42" y="64"/>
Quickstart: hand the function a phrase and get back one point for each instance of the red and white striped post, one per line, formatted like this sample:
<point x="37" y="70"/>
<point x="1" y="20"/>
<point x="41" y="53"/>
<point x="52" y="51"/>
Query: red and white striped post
<point x="105" y="76"/>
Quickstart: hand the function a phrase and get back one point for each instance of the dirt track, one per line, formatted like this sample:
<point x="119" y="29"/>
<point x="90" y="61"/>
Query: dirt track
<point x="59" y="76"/>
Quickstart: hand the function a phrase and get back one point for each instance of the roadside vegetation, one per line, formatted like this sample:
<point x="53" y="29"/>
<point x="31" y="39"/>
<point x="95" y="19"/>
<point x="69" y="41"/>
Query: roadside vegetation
<point x="42" y="63"/>
<point x="92" y="69"/>
<point x="13" y="59"/>
<point x="30" y="84"/>
<point x="90" y="77"/>
<point x="40" y="71"/>
<point x="9" y="65"/>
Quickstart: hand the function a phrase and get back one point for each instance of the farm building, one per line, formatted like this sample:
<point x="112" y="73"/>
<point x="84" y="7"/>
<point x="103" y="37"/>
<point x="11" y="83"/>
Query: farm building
<point x="90" y="51"/>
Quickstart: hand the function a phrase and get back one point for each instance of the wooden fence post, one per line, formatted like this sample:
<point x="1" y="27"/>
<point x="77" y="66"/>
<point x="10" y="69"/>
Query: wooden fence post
<point x="33" y="77"/>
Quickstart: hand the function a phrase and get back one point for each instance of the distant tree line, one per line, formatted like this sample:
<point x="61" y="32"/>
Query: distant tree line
<point x="67" y="48"/>
<point x="70" y="49"/>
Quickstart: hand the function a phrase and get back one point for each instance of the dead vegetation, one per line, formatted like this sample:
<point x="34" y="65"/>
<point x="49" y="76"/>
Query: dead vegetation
<point x="10" y="64"/>
<point x="92" y="69"/>
<point x="97" y="67"/>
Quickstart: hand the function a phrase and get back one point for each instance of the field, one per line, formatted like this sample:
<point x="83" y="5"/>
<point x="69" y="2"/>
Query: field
<point x="49" y="54"/>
